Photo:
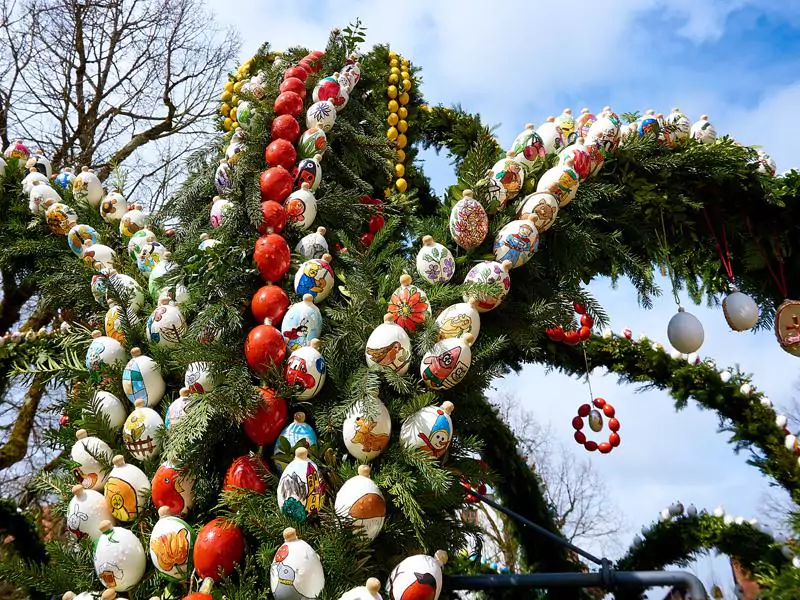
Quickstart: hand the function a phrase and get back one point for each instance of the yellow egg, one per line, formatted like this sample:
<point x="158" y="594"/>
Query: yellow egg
<point x="405" y="64"/>
<point x="391" y="133"/>
<point x="403" y="112"/>
<point x="226" y="95"/>
<point x="237" y="87"/>
<point x="233" y="114"/>
<point x="401" y="156"/>
<point x="392" y="91"/>
<point x="392" y="106"/>
<point x="235" y="100"/>
<point x="229" y="86"/>
<point x="404" y="98"/>
<point x="401" y="185"/>
<point x="393" y="62"/>
<point x="393" y="78"/>
<point x="406" y="84"/>
<point x="399" y="170"/>
<point x="387" y="192"/>
<point x="394" y="71"/>
<point x="392" y="54"/>
<point x="401" y="140"/>
<point x="234" y="125"/>
<point x="402" y="126"/>
<point x="404" y="74"/>
<point x="225" y="109"/>
<point x="392" y="120"/>
<point x="227" y="123"/>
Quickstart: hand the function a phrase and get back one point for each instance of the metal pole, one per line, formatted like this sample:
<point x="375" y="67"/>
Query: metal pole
<point x="636" y="579"/>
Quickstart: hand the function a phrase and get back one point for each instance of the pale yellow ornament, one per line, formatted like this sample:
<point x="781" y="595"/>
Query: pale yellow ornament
<point x="392" y="120"/>
<point x="401" y="185"/>
<point x="402" y="126"/>
<point x="391" y="133"/>
<point x="402" y="141"/>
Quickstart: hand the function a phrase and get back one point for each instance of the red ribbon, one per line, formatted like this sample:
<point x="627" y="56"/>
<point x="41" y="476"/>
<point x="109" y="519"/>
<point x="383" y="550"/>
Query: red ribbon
<point x="725" y="258"/>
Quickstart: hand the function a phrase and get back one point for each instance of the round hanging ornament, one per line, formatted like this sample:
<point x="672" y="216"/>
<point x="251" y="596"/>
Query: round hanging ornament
<point x="528" y="146"/>
<point x="90" y="472"/>
<point x="32" y="178"/>
<point x="113" y="207"/>
<point x="105" y="356"/>
<point x="86" y="187"/>
<point x="301" y="489"/>
<point x="126" y="490"/>
<point x="295" y="433"/>
<point x="125" y="290"/>
<point x="296" y="571"/>
<point x="177" y="409"/>
<point x="302" y="323"/>
<point x="280" y="153"/>
<point x="313" y="142"/>
<point x="740" y="310"/>
<point x="132" y="221"/>
<point x="141" y="431"/>
<point x="151" y="254"/>
<point x="40" y="163"/>
<point x="65" y="179"/>
<point x="218" y="548"/>
<point x="577" y="156"/>
<point x="107" y="404"/>
<point x="321" y="114"/>
<point x="272" y="257"/>
<point x="18" y="150"/>
<point x="288" y="103"/>
<point x="561" y="182"/>
<point x="459" y="319"/>
<point x="199" y="378"/>
<point x="329" y="88"/>
<point x="206" y="242"/>
<point x="469" y="223"/>
<point x="142" y="379"/>
<point x="389" y="346"/>
<point x="549" y="135"/>
<point x="418" y="576"/>
<point x="509" y="174"/>
<point x="313" y="245"/>
<point x="678" y="125"/>
<point x="435" y="263"/>
<point x="370" y="591"/>
<point x="584" y="122"/>
<point x="273" y="218"/>
<point x="361" y="505"/>
<point x="220" y="208"/>
<point x="409" y="305"/>
<point x="286" y="127"/>
<point x="488" y="272"/>
<point x="305" y="370"/>
<point x="264" y="426"/>
<point x="309" y="170"/>
<point x="366" y="429"/>
<point x="60" y="217"/>
<point x="269" y="302"/>
<point x="247" y="472"/>
<point x="166" y="326"/>
<point x="222" y="178"/>
<point x="703" y="131"/>
<point x="301" y="207"/>
<point x="541" y="208"/>
<point x="137" y="242"/>
<point x="447" y="363"/>
<point x="595" y="418"/>
<point x="685" y="332"/>
<point x="264" y="347"/>
<point x="516" y="242"/>
<point x="119" y="558"/>
<point x="170" y="546"/>
<point x="78" y="235"/>
<point x="113" y="322"/>
<point x="173" y="488"/>
<point x="275" y="184"/>
<point x="315" y="278"/>
<point x="40" y="192"/>
<point x="429" y="429"/>
<point x="98" y="256"/>
<point x="86" y="510"/>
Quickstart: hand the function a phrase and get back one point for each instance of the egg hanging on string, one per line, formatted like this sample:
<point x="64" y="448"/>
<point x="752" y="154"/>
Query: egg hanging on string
<point x="305" y="370"/>
<point x="685" y="332"/>
<point x="91" y="454"/>
<point x="429" y="429"/>
<point x="296" y="570"/>
<point x="119" y="558"/>
<point x="86" y="510"/>
<point x="141" y="432"/>
<point x="435" y="263"/>
<point x="313" y="245"/>
<point x="367" y="429"/>
<point x="488" y="272"/>
<point x="469" y="223"/>
<point x="171" y="542"/>
<point x="301" y="489"/>
<point x="360" y="504"/>
<point x="126" y="490"/>
<point x="740" y="310"/>
<point x="417" y="576"/>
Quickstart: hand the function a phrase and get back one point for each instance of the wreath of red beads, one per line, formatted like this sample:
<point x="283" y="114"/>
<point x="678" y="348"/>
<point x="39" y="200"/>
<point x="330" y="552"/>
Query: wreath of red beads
<point x="572" y="337"/>
<point x="584" y="411"/>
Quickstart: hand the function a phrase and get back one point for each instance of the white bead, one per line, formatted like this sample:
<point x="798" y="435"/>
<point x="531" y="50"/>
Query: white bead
<point x="656" y="346"/>
<point x="739" y="520"/>
<point x="727" y="519"/>
<point x="607" y="334"/>
<point x="665" y="514"/>
<point x="719" y="512"/>
<point x="745" y="389"/>
<point x="766" y="402"/>
<point x="675" y="354"/>
<point x="789" y="441"/>
<point x="796" y="562"/>
<point x="725" y="376"/>
<point x="781" y="421"/>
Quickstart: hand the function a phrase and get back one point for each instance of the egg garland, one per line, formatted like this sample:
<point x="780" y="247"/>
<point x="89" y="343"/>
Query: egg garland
<point x="315" y="278"/>
<point x="430" y="429"/>
<point x="301" y="489"/>
<point x="399" y="85"/>
<point x="367" y="429"/>
<point x="86" y="510"/>
<point x="417" y="576"/>
<point x="296" y="570"/>
<point x="305" y="370"/>
<point x="126" y="490"/>
<point x="170" y="546"/>
<point x="361" y="505"/>
<point x="119" y="558"/>
<point x="435" y="263"/>
<point x="389" y="347"/>
<point x="92" y="455"/>
<point x="596" y="424"/>
<point x="140" y="432"/>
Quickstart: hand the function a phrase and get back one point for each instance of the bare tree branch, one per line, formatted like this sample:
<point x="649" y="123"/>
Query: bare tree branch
<point x="16" y="446"/>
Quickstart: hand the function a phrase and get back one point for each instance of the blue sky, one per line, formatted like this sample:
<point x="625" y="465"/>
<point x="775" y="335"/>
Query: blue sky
<point x="518" y="61"/>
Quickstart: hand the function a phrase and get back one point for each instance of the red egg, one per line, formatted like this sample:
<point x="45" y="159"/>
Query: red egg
<point x="246" y="472"/>
<point x="609" y="411"/>
<point x="587" y="321"/>
<point x="316" y="53"/>
<point x="604" y="447"/>
<point x="556" y="334"/>
<point x="367" y="238"/>
<point x="274" y="217"/>
<point x="265" y="425"/>
<point x="264" y="348"/>
<point x="577" y="423"/>
<point x="376" y="223"/>
<point x="285" y="127"/>
<point x="269" y="302"/>
<point x="298" y="72"/>
<point x="613" y="425"/>
<point x="288" y="103"/>
<point x="599" y="403"/>
<point x="272" y="256"/>
<point x="584" y="410"/>
<point x="293" y="84"/>
<point x="580" y="437"/>
<point x="276" y="184"/>
<point x="280" y="153"/>
<point x="613" y="439"/>
<point x="572" y="337"/>
<point x="219" y="547"/>
<point x="579" y="308"/>
<point x="584" y="333"/>
<point x="590" y="446"/>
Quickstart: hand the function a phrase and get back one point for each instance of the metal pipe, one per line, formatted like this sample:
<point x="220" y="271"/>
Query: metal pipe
<point x="640" y="579"/>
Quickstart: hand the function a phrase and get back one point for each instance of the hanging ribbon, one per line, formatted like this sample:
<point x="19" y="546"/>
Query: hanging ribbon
<point x="662" y="241"/>
<point x="779" y="276"/>
<point x="724" y="257"/>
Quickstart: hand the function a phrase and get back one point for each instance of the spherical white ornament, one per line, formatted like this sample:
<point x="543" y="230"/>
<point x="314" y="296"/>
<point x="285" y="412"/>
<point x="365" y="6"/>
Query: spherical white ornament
<point x="680" y="125"/>
<point x="138" y="241"/>
<point x="166" y="326"/>
<point x="360" y="504"/>
<point x="140" y="432"/>
<point x="90" y="472"/>
<point x="364" y="592"/>
<point x="676" y="509"/>
<point x="703" y="131"/>
<point x="86" y="510"/>
<point x="104" y="356"/>
<point x="725" y="376"/>
<point x="198" y="378"/>
<point x="301" y="489"/>
<point x="421" y="572"/>
<point x="87" y="187"/>
<point x="719" y="512"/>
<point x="728" y="519"/>
<point x="607" y="334"/>
<point x="111" y="407"/>
<point x="305" y="370"/>
<point x="32" y="178"/>
<point x="113" y="207"/>
<point x="435" y="263"/>
<point x="693" y="358"/>
<point x="367" y="429"/>
<point x="691" y="510"/>
<point x="171" y="544"/>
<point x="127" y="490"/>
<point x="309" y="170"/>
<point x="447" y="362"/>
<point x="39" y="194"/>
<point x="740" y="310"/>
<point x="119" y="558"/>
<point x="664" y="514"/>
<point x="98" y="256"/>
<point x="313" y="245"/>
<point x="781" y="421"/>
<point x="430" y="429"/>
<point x="296" y="571"/>
<point x="389" y="347"/>
<point x="685" y="332"/>
<point x="790" y="441"/>
<point x="219" y="209"/>
<point x="766" y="402"/>
<point x="301" y="207"/>
<point x="132" y="221"/>
<point x="141" y="379"/>
<point x="321" y="114"/>
<point x="488" y="272"/>
<point x="745" y="389"/>
<point x="315" y="278"/>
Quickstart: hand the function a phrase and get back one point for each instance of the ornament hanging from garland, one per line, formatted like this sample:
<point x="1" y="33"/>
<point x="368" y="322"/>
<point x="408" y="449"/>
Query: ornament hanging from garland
<point x="219" y="547"/>
<point x="370" y="591"/>
<point x="409" y="306"/>
<point x="429" y="429"/>
<point x="296" y="571"/>
<point x="787" y="326"/>
<point x="595" y="418"/>
<point x="367" y="429"/>
<point x="119" y="558"/>
<point x="141" y="431"/>
<point x="435" y="263"/>
<point x="305" y="370"/>
<point x="740" y="310"/>
<point x="86" y="510"/>
<point x="685" y="332"/>
<point x="170" y="546"/>
<point x="126" y="490"/>
<point x="90" y="454"/>
<point x="447" y="362"/>
<point x="360" y="504"/>
<point x="173" y="488"/>
<point x="265" y="424"/>
<point x="301" y="489"/>
<point x="418" y="576"/>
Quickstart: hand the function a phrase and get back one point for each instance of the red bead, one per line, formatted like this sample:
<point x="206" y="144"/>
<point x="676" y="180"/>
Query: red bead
<point x="285" y="127"/>
<point x="376" y="223"/>
<point x="276" y="184"/>
<point x="280" y="153"/>
<point x="590" y="446"/>
<point x="555" y="334"/>
<point x="584" y="410"/>
<point x="572" y="337"/>
<point x="316" y="53"/>
<point x="613" y="424"/>
<point x="288" y="103"/>
<point x="298" y="72"/>
<point x="579" y="308"/>
<point x="604" y="447"/>
<point x="482" y="489"/>
<point x="367" y="239"/>
<point x="613" y="439"/>
<point x="274" y="217"/>
<point x="198" y="596"/>
<point x="219" y="547"/>
<point x="312" y="63"/>
<point x="599" y="403"/>
<point x="580" y="437"/>
<point x="265" y="425"/>
<point x="63" y="420"/>
<point x="272" y="256"/>
<point x="269" y="302"/>
<point x="587" y="321"/>
<point x="577" y="423"/>
<point x="584" y="333"/>
<point x="246" y="472"/>
<point x="367" y="200"/>
<point x="264" y="348"/>
<point x="296" y="85"/>
<point x="165" y="490"/>
<point x="609" y="411"/>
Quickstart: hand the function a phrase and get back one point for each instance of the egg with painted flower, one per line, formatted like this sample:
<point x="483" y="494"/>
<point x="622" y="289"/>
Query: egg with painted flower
<point x="313" y="141"/>
<point x="488" y="272"/>
<point x="435" y="263"/>
<point x="321" y="114"/>
<point x="469" y="223"/>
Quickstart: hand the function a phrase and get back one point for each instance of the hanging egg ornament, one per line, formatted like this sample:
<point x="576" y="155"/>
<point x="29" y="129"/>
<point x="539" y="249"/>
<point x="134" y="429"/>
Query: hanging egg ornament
<point x="516" y="242"/>
<point x="177" y="294"/>
<point x="154" y="282"/>
<point x="288" y="103"/>
<point x="40" y="163"/>
<point x="222" y="178"/>
<point x="528" y="146"/>
<point x="65" y="179"/>
<point x="264" y="347"/>
<point x="469" y="223"/>
<point x="370" y="591"/>
<point x="40" y="192"/>
<point x="171" y="545"/>
<point x="151" y="254"/>
<point x="459" y="319"/>
<point x="548" y="134"/>
<point x="98" y="254"/>
<point x="206" y="242"/>
<point x="740" y="310"/>
<point x="447" y="362"/>
<point x="302" y="323"/>
<point x="2" y="168"/>
<point x="409" y="305"/>
<point x="595" y="420"/>
<point x="351" y="71"/>
<point x="329" y="88"/>
<point x="244" y="114"/>
<point x="286" y="127"/>
<point x="90" y="472"/>
<point x="315" y="278"/>
<point x="305" y="370"/>
<point x="113" y="207"/>
<point x="105" y="356"/>
<point x="296" y="433"/>
<point x="313" y="245"/>
<point x="301" y="489"/>
<point x="31" y="179"/>
<point x="273" y="217"/>
<point x="309" y="171"/>
<point x="173" y="488"/>
<point x="132" y="221"/>
<point x="435" y="263"/>
<point x="296" y="571"/>
<point x="578" y="157"/>
<point x="488" y="272"/>
<point x="301" y="207"/>
<point x="509" y="174"/>
<point x="429" y="429"/>
<point x="142" y="379"/>
<point x="137" y="242"/>
<point x="107" y="404"/>
<point x="119" y="558"/>
<point x="235" y="147"/>
<point x="321" y="114"/>
<point x="60" y="217"/>
<point x="246" y="472"/>
<point x="389" y="347"/>
<point x="86" y="187"/>
<point x="219" y="210"/>
<point x="361" y="505"/>
<point x="166" y="326"/>
<point x="561" y="181"/>
<point x="177" y="409"/>
<point x="199" y="378"/>
<point x="495" y="195"/>
<point x="17" y="149"/>
<point x="786" y="319"/>
<point x="541" y="208"/>
<point x="367" y="429"/>
<point x="126" y="490"/>
<point x="269" y="302"/>
<point x="218" y="549"/>
<point x="566" y="133"/>
<point x="313" y="141"/>
<point x="78" y="235"/>
<point x="766" y="165"/>
<point x="141" y="432"/>
<point x="272" y="257"/>
<point x="125" y="290"/>
<point x="86" y="510"/>
<point x="685" y="332"/>
<point x="418" y="576"/>
<point x="605" y="131"/>
<point x="678" y="124"/>
<point x="703" y="131"/>
<point x="648" y="124"/>
<point x="280" y="153"/>
<point x="264" y="426"/>
<point x="584" y="122"/>
<point x="113" y="322"/>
